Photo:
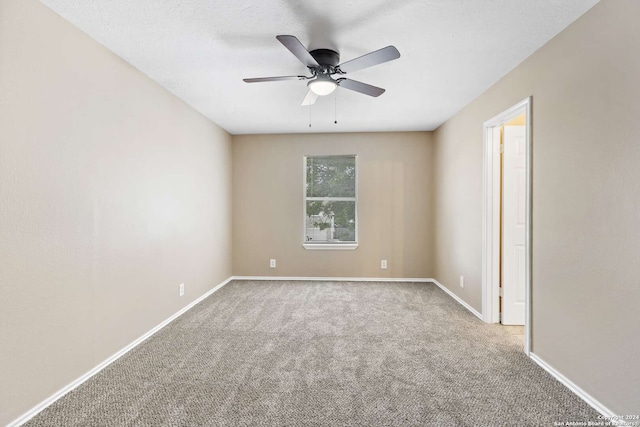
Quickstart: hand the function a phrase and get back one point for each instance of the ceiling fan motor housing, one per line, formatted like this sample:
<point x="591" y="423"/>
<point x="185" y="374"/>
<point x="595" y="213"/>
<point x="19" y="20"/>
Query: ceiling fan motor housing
<point x="326" y="57"/>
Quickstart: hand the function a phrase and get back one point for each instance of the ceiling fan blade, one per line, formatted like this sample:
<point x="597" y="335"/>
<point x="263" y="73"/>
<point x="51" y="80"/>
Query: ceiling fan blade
<point x="310" y="99"/>
<point x="360" y="87"/>
<point x="379" y="56"/>
<point x="298" y="49"/>
<point x="273" y="79"/>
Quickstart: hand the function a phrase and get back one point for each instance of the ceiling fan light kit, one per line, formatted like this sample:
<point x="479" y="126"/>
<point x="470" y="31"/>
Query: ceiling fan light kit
<point x="323" y="85"/>
<point x="324" y="63"/>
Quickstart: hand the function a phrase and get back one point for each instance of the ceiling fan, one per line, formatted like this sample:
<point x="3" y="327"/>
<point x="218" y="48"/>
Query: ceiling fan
<point x="324" y="63"/>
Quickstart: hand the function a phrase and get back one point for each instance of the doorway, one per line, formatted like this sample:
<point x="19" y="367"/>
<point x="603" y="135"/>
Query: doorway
<point x="506" y="279"/>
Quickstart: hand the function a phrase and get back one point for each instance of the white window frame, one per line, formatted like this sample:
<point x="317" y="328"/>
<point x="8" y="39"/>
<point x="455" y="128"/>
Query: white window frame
<point x="320" y="245"/>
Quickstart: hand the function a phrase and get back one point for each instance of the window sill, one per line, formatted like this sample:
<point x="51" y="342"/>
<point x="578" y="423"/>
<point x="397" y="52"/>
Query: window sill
<point x="330" y="246"/>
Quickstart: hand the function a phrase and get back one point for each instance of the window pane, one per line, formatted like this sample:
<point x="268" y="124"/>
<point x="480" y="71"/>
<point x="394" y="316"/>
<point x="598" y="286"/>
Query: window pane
<point x="333" y="176"/>
<point x="330" y="222"/>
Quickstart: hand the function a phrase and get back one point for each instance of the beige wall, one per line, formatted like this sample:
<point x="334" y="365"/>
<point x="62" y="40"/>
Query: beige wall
<point x="394" y="205"/>
<point x="112" y="193"/>
<point x="586" y="183"/>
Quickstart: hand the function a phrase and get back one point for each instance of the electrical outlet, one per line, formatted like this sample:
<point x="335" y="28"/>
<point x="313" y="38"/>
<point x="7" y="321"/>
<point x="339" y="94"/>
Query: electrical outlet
<point x="272" y="263"/>
<point x="462" y="281"/>
<point x="181" y="289"/>
<point x="383" y="264"/>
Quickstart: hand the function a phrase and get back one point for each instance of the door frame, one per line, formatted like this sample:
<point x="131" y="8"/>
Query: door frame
<point x="491" y="218"/>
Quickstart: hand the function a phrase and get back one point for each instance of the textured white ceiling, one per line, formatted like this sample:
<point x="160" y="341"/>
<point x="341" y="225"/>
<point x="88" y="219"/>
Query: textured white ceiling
<point x="200" y="50"/>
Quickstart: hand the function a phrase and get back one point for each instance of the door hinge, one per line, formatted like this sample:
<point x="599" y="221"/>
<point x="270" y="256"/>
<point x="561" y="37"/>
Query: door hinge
<point x="502" y="148"/>
<point x="500" y="292"/>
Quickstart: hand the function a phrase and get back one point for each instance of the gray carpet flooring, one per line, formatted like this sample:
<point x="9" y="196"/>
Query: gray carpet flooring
<point x="323" y="354"/>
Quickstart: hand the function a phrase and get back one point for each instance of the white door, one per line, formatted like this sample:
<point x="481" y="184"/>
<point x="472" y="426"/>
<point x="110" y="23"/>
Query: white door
<point x="513" y="224"/>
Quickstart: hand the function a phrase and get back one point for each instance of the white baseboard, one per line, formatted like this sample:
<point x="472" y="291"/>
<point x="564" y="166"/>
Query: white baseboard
<point x="42" y="405"/>
<point x="595" y="404"/>
<point x="336" y="279"/>
<point x="457" y="298"/>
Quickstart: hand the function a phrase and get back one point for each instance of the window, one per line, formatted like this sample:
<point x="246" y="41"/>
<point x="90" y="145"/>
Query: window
<point x="330" y="204"/>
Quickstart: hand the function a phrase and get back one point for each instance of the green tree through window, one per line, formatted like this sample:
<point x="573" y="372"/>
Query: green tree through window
<point x="330" y="205"/>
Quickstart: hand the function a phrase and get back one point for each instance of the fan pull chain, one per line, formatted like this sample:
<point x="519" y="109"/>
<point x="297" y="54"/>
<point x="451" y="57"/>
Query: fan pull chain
<point x="335" y="108"/>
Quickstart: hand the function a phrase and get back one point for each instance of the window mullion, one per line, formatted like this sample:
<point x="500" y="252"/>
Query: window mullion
<point x="331" y="199"/>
